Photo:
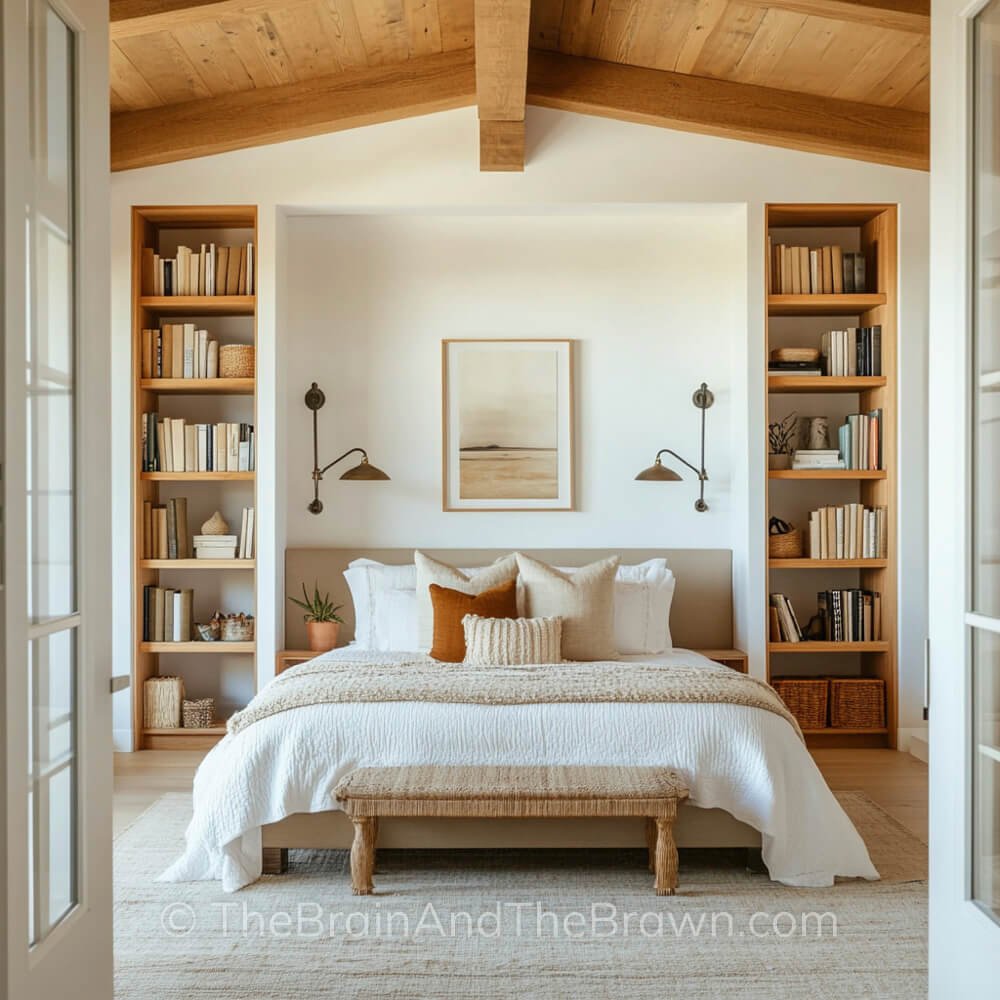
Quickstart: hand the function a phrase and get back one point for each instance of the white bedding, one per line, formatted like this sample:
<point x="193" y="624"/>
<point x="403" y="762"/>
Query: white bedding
<point x="745" y="760"/>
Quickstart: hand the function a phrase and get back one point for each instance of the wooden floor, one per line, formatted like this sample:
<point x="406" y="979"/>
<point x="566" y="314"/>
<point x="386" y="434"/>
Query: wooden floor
<point x="896" y="781"/>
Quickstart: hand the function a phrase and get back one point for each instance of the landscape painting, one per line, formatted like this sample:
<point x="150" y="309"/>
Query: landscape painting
<point x="508" y="416"/>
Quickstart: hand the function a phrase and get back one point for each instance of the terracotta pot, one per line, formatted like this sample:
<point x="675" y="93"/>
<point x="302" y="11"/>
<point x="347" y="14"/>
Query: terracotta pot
<point x="779" y="461"/>
<point x="322" y="635"/>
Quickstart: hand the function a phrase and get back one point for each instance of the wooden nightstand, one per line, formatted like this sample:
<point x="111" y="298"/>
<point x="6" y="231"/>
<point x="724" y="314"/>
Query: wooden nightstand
<point x="736" y="659"/>
<point x="290" y="657"/>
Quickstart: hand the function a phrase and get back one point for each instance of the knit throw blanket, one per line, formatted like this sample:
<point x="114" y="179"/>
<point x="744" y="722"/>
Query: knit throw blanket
<point x="376" y="677"/>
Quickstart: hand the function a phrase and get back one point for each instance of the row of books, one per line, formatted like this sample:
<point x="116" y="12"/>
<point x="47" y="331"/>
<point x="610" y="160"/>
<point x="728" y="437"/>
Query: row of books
<point x="167" y="614"/>
<point x="212" y="270"/>
<point x="178" y="350"/>
<point x="229" y="546"/>
<point x="852" y="352"/>
<point x="860" y="440"/>
<point x="829" y="270"/>
<point x="165" y="530"/>
<point x="851" y="531"/>
<point x="170" y="444"/>
<point x="853" y="615"/>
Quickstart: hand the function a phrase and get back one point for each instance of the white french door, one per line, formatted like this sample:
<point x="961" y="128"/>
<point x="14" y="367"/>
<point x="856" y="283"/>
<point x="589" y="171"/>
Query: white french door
<point x="964" y="393"/>
<point x="55" y="621"/>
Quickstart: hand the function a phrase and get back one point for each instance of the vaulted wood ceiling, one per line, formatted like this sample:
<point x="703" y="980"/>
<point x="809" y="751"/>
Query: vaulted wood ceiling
<point x="845" y="77"/>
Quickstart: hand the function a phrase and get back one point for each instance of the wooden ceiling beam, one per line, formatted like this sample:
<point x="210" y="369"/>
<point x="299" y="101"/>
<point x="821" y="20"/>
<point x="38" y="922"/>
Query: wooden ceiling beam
<point x="898" y="15"/>
<point x="292" y="111"/>
<point x="143" y="17"/>
<point x="501" y="75"/>
<point x="773" y="117"/>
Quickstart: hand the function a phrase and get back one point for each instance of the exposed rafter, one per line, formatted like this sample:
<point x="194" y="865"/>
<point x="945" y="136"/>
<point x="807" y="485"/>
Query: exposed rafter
<point x="501" y="76"/>
<point x="898" y="15"/>
<point x="142" y="17"/>
<point x="734" y="110"/>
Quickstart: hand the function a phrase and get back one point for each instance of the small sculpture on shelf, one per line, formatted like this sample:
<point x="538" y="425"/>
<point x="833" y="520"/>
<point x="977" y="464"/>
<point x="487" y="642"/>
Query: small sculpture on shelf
<point x="215" y="525"/>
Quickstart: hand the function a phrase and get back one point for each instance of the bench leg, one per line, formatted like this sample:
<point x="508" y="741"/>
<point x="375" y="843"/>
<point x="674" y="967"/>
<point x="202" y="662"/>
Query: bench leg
<point x="363" y="856"/>
<point x="275" y="860"/>
<point x="651" y="842"/>
<point x="666" y="860"/>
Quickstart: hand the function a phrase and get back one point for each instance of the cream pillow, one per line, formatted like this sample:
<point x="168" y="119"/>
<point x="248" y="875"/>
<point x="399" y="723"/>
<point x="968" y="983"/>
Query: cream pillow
<point x="511" y="641"/>
<point x="468" y="582"/>
<point x="585" y="601"/>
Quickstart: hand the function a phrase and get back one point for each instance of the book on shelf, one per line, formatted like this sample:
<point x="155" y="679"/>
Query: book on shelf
<point x="210" y="270"/>
<point x="170" y="444"/>
<point x="794" y="368"/>
<point x="850" y="615"/>
<point x="827" y="270"/>
<point x="247" y="527"/>
<point x="215" y="546"/>
<point x="816" y="458"/>
<point x="860" y="440"/>
<point x="850" y="531"/>
<point x="179" y="350"/>
<point x="165" y="530"/>
<point x="167" y="614"/>
<point x="788" y="624"/>
<point x="856" y="351"/>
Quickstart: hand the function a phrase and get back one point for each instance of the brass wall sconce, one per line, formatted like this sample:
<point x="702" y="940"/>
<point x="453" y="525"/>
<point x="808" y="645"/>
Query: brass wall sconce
<point x="660" y="473"/>
<point x="364" y="471"/>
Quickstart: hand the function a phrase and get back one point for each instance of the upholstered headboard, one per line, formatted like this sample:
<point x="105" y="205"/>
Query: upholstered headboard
<point x="701" y="616"/>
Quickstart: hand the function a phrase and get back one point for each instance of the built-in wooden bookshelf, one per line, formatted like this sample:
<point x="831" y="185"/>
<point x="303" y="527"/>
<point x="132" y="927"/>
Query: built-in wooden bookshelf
<point x="160" y="228"/>
<point x="799" y="320"/>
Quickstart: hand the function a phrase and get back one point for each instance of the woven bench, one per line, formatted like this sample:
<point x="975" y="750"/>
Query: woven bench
<point x="370" y="793"/>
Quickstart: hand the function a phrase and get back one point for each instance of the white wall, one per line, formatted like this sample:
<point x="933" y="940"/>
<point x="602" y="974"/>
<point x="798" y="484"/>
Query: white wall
<point x="574" y="162"/>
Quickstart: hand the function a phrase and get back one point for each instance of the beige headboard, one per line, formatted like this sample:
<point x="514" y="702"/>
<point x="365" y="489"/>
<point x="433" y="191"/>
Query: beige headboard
<point x="701" y="616"/>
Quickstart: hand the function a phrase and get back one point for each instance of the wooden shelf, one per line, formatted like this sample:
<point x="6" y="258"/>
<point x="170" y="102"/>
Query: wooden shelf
<point x="881" y="646"/>
<point x="197" y="563"/>
<point x="199" y="305"/>
<point x="218" y="728"/>
<point x="197" y="647"/>
<point x="182" y="739"/>
<point x="823" y="383"/>
<point x="828" y="563"/>
<point x="823" y="305"/>
<point x="198" y="477"/>
<point x="826" y="474"/>
<point x="199" y="386"/>
<point x="830" y="731"/>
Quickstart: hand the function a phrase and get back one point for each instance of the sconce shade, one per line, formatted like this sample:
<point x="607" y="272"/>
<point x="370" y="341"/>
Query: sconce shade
<point x="364" y="470"/>
<point x="658" y="473"/>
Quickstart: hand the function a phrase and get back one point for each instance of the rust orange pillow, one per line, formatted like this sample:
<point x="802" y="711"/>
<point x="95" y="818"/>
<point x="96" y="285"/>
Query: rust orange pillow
<point x="451" y="606"/>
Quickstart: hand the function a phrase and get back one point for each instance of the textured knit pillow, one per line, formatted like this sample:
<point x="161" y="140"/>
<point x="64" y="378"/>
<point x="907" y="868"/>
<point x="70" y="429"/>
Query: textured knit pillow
<point x="467" y="581"/>
<point x="512" y="641"/>
<point x="451" y="606"/>
<point x="584" y="601"/>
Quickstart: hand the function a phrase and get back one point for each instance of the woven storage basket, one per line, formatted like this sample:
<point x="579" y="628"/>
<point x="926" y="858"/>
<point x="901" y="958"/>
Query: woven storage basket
<point x="236" y="361"/>
<point x="807" y="699"/>
<point x="857" y="703"/>
<point x="237" y="628"/>
<point x="800" y="354"/>
<point x="199" y="714"/>
<point x="161" y="702"/>
<point x="786" y="546"/>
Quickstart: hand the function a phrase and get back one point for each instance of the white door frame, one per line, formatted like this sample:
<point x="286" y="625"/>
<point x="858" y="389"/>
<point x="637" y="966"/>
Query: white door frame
<point x="964" y="941"/>
<point x="75" y="958"/>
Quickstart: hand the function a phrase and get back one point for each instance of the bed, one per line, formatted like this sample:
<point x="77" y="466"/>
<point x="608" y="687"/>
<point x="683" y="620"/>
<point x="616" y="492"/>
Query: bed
<point x="753" y="784"/>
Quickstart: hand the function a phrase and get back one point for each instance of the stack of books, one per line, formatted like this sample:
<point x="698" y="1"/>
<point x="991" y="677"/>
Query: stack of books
<point x="795" y="368"/>
<point x="173" y="445"/>
<point x="852" y="352"/>
<point x="814" y="271"/>
<point x="178" y="350"/>
<point x="817" y="458"/>
<point x="848" y="532"/>
<point x="212" y="270"/>
<point x="247" y="547"/>
<point x="215" y="546"/>
<point x="784" y="624"/>
<point x="166" y="614"/>
<point x="861" y="441"/>
<point x="165" y="530"/>
<point x="850" y="615"/>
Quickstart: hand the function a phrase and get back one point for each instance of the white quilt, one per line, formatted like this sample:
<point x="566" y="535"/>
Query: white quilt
<point x="745" y="760"/>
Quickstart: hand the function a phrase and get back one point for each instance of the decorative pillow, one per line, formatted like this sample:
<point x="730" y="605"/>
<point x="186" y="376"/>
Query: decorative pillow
<point x="451" y="606"/>
<point x="512" y="641"/>
<point x="368" y="581"/>
<point x="396" y="620"/>
<point x="643" y="595"/>
<point x="466" y="581"/>
<point x="585" y="601"/>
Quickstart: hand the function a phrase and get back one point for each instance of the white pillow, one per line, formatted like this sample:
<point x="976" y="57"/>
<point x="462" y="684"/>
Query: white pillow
<point x="368" y="581"/>
<point x="643" y="595"/>
<point x="509" y="642"/>
<point x="396" y="621"/>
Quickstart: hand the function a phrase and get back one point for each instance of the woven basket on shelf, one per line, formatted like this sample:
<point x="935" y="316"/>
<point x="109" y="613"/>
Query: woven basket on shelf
<point x="800" y="354"/>
<point x="161" y="702"/>
<point x="786" y="546"/>
<point x="237" y="628"/>
<point x="236" y="361"/>
<point x="199" y="714"/>
<point x="807" y="699"/>
<point x="857" y="703"/>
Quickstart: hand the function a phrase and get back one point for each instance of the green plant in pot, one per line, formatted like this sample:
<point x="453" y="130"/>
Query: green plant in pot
<point x="321" y="618"/>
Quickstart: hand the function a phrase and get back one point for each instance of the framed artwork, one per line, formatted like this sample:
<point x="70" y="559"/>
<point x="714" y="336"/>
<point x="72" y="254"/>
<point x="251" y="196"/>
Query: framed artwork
<point x="508" y="424"/>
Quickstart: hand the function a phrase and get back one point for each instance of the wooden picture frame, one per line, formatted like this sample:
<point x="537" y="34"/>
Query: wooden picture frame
<point x="507" y="425"/>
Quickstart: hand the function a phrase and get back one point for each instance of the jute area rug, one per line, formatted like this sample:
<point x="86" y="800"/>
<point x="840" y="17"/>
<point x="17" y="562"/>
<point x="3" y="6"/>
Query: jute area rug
<point x="477" y="924"/>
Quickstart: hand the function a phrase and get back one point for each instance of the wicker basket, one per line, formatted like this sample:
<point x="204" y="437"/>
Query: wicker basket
<point x="236" y="361"/>
<point x="807" y="699"/>
<point x="199" y="714"/>
<point x="161" y="702"/>
<point x="237" y="628"/>
<point x="857" y="703"/>
<point x="786" y="546"/>
<point x="807" y="354"/>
